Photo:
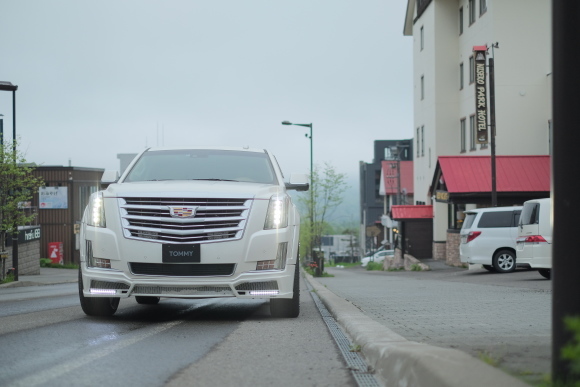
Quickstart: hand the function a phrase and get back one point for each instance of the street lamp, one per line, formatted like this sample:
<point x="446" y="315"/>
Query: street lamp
<point x="7" y="86"/>
<point x="318" y="263"/>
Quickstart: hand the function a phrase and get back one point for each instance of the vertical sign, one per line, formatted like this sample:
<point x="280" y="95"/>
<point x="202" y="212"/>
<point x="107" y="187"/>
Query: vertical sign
<point x="480" y="96"/>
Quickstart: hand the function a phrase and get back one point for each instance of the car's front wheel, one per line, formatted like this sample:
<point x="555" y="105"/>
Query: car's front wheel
<point x="97" y="306"/>
<point x="288" y="307"/>
<point x="546" y="273"/>
<point x="504" y="261"/>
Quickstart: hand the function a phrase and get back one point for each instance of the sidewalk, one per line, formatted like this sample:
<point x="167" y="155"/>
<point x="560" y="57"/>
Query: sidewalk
<point x="47" y="276"/>
<point x="416" y="331"/>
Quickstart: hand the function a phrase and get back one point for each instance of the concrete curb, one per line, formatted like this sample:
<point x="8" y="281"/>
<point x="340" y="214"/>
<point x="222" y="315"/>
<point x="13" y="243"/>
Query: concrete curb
<point x="400" y="362"/>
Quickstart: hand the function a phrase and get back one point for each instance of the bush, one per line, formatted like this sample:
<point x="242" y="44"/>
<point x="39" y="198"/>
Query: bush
<point x="571" y="351"/>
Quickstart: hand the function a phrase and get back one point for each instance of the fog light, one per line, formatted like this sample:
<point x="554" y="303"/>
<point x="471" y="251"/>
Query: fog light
<point x="277" y="264"/>
<point x="103" y="291"/>
<point x="265" y="265"/>
<point x="264" y="292"/>
<point x="101" y="263"/>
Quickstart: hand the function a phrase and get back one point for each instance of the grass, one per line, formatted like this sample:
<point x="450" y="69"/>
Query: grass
<point x="9" y="278"/>
<point x="310" y="270"/>
<point x="45" y="262"/>
<point x="416" y="267"/>
<point x="488" y="358"/>
<point x="375" y="266"/>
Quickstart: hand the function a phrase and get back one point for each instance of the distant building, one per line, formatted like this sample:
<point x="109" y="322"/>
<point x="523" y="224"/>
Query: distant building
<point x="372" y="205"/>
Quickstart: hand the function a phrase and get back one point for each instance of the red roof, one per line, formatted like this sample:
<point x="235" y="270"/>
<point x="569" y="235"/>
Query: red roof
<point x="390" y="176"/>
<point x="464" y="174"/>
<point x="411" y="212"/>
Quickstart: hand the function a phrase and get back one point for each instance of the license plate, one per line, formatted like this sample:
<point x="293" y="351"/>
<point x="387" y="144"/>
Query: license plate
<point x="181" y="253"/>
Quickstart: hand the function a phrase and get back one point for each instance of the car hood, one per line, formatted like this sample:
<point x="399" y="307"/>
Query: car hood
<point x="198" y="188"/>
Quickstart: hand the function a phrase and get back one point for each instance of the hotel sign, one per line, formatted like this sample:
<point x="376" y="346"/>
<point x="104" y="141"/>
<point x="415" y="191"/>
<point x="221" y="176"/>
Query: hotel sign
<point x="481" y="136"/>
<point x="442" y="196"/>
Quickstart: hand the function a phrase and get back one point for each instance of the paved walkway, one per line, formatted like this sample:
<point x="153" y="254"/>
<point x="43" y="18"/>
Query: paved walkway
<point x="457" y="308"/>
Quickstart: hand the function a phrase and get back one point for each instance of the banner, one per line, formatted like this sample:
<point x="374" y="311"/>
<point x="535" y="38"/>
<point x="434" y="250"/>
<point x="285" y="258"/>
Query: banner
<point x="481" y="136"/>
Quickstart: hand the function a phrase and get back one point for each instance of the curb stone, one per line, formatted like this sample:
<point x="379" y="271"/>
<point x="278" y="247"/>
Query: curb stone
<point x="400" y="362"/>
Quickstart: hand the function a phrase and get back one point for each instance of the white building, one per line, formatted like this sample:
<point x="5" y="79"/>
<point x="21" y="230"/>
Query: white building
<point x="444" y="34"/>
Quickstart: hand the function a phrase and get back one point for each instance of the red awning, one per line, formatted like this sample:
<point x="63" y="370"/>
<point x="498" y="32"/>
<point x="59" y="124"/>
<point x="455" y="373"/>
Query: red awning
<point x="466" y="174"/>
<point x="411" y="212"/>
<point x="389" y="168"/>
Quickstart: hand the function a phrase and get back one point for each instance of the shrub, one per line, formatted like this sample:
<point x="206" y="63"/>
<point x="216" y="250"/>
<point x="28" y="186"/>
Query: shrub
<point x="375" y="266"/>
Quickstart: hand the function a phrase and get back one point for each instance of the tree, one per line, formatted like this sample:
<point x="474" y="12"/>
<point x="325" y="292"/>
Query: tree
<point x="327" y="189"/>
<point x="17" y="186"/>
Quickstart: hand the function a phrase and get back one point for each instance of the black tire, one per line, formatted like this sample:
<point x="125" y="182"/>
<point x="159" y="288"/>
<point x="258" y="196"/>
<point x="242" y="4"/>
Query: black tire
<point x="147" y="300"/>
<point x="288" y="307"/>
<point x="97" y="306"/>
<point x="546" y="273"/>
<point x="504" y="261"/>
<point x="488" y="268"/>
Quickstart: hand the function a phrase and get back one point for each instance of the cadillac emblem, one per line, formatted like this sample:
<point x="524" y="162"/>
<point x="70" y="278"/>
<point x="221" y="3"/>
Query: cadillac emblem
<point x="182" y="212"/>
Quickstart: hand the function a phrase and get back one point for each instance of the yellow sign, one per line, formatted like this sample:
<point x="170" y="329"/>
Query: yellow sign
<point x="442" y="196"/>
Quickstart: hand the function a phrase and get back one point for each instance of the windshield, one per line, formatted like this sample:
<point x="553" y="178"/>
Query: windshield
<point x="203" y="164"/>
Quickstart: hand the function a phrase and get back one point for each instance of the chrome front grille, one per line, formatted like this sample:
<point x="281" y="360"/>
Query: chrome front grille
<point x="206" y="219"/>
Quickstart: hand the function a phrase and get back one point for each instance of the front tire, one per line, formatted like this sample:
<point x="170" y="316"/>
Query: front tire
<point x="546" y="273"/>
<point x="504" y="261"/>
<point x="288" y="307"/>
<point x="147" y="300"/>
<point x="97" y="306"/>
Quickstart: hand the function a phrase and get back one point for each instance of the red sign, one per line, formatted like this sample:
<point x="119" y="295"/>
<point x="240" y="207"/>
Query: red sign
<point x="55" y="252"/>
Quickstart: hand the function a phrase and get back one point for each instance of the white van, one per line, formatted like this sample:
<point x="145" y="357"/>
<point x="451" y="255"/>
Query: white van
<point x="534" y="243"/>
<point x="488" y="237"/>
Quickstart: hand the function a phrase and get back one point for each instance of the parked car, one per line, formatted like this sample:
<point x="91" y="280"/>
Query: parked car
<point x="193" y="223"/>
<point x="534" y="243"/>
<point x="378" y="257"/>
<point x="488" y="237"/>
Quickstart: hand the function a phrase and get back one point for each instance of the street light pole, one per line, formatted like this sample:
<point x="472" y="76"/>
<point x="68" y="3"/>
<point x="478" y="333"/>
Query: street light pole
<point x="7" y="86"/>
<point x="318" y="271"/>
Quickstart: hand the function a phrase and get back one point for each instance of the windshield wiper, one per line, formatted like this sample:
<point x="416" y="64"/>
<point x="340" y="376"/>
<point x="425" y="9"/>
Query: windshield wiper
<point x="215" y="179"/>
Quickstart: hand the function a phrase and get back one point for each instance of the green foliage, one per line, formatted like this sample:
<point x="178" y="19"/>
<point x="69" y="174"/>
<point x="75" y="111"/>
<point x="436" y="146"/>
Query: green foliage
<point x="7" y="279"/>
<point x="44" y="262"/>
<point x="488" y="358"/>
<point x="416" y="267"/>
<point x="325" y="195"/>
<point x="375" y="266"/>
<point x="571" y="351"/>
<point x="17" y="186"/>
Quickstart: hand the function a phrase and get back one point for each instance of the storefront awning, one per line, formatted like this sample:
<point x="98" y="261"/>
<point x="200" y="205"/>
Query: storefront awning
<point x="411" y="212"/>
<point x="471" y="174"/>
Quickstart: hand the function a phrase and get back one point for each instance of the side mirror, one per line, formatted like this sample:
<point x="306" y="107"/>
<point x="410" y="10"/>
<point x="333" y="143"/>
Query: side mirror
<point x="298" y="182"/>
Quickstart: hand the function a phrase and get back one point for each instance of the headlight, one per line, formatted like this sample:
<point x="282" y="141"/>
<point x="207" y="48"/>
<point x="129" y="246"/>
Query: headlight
<point x="96" y="211"/>
<point x="277" y="216"/>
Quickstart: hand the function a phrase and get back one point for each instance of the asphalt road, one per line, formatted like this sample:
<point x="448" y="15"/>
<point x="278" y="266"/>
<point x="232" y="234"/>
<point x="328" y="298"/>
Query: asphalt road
<point x="504" y="317"/>
<point x="47" y="340"/>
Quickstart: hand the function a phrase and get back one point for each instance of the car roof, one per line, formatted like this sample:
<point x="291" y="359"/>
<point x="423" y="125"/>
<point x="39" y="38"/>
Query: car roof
<point x="492" y="209"/>
<point x="226" y="148"/>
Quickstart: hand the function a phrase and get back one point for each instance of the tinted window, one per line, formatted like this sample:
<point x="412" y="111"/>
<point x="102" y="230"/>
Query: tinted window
<point x="496" y="219"/>
<point x="469" y="218"/>
<point x="530" y="213"/>
<point x="203" y="164"/>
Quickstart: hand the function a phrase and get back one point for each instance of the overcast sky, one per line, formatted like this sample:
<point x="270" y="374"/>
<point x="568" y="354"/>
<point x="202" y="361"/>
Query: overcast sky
<point x="98" y="78"/>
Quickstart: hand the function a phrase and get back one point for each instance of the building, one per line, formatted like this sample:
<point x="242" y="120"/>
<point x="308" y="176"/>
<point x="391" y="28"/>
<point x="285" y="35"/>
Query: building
<point x="444" y="33"/>
<point x="372" y="204"/>
<point x="61" y="203"/>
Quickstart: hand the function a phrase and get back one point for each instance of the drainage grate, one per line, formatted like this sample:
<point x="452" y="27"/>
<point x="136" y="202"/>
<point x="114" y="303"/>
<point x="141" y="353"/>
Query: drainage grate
<point x="359" y="368"/>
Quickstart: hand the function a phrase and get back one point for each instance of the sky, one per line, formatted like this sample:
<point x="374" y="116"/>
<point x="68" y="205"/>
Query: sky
<point x="99" y="78"/>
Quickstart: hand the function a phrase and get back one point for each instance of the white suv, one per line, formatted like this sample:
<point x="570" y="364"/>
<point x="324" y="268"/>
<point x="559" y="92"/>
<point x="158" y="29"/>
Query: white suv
<point x="193" y="223"/>
<point x="534" y="242"/>
<point x="488" y="237"/>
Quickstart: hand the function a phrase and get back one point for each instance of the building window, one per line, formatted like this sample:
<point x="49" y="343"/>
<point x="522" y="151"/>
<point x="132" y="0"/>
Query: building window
<point x="461" y="76"/>
<point x="462" y="134"/>
<point x="423" y="140"/>
<point x="471" y="12"/>
<point x="422" y="38"/>
<point x="472" y="132"/>
<point x="471" y="70"/>
<point x="422" y="87"/>
<point x="482" y="7"/>
<point x="460" y="20"/>
<point x="418" y="142"/>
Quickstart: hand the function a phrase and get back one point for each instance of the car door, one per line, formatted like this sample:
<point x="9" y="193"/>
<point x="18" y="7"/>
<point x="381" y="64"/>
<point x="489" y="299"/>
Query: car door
<point x="529" y="225"/>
